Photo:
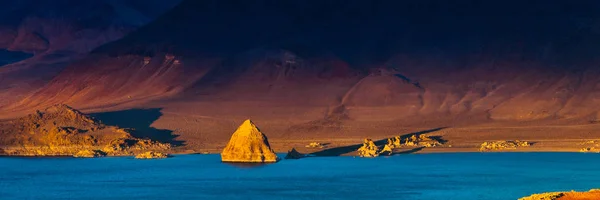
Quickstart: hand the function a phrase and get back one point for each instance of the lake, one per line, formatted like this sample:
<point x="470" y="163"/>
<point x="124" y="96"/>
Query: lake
<point x="410" y="176"/>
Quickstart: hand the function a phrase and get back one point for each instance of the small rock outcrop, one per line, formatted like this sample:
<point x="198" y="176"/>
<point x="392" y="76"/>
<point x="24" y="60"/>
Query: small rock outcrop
<point x="151" y="155"/>
<point x="89" y="154"/>
<point x="388" y="149"/>
<point x="248" y="144"/>
<point x="592" y="194"/>
<point x="590" y="150"/>
<point x="293" y="154"/>
<point x="503" y="145"/>
<point x="315" y="145"/>
<point x="368" y="149"/>
<point x="593" y="147"/>
<point x="422" y="140"/>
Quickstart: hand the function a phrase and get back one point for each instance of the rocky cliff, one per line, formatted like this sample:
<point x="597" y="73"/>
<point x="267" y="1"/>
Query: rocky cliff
<point x="63" y="131"/>
<point x="248" y="144"/>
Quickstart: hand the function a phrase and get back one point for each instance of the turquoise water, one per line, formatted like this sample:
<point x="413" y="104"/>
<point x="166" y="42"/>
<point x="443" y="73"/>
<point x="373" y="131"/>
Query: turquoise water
<point x="411" y="176"/>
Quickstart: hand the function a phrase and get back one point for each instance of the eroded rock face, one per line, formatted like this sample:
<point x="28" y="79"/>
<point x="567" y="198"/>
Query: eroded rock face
<point x="368" y="149"/>
<point x="248" y="144"/>
<point x="503" y="145"/>
<point x="63" y="131"/>
<point x="151" y="155"/>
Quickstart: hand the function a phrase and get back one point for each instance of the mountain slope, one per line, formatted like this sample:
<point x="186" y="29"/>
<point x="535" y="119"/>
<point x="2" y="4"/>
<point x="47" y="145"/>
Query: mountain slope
<point x="497" y="60"/>
<point x="57" y="33"/>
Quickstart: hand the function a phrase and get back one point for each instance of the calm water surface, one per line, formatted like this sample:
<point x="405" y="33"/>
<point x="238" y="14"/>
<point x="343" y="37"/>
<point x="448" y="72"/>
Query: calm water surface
<point x="414" y="176"/>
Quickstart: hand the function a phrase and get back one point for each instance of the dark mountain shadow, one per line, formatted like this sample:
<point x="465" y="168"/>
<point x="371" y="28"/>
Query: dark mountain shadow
<point x="338" y="151"/>
<point x="139" y="120"/>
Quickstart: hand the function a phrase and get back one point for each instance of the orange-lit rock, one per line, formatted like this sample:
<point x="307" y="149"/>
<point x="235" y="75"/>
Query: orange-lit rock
<point x="369" y="149"/>
<point x="421" y="140"/>
<point x="315" y="145"/>
<point x="394" y="142"/>
<point x="572" y="195"/>
<point x="151" y="155"/>
<point x="63" y="131"/>
<point x="502" y="145"/>
<point x="248" y="144"/>
<point x="89" y="154"/>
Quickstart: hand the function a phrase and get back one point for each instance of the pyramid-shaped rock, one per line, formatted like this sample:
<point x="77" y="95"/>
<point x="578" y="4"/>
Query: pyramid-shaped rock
<point x="248" y="144"/>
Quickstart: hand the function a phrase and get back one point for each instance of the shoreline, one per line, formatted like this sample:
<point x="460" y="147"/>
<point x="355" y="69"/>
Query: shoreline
<point x="345" y="155"/>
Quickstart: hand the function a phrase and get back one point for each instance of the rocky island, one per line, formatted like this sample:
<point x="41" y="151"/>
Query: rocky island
<point x="248" y="144"/>
<point x="151" y="155"/>
<point x="63" y="131"/>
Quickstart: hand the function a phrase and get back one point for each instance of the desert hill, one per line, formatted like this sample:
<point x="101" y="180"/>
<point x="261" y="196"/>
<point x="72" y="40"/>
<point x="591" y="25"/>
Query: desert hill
<point x="62" y="130"/>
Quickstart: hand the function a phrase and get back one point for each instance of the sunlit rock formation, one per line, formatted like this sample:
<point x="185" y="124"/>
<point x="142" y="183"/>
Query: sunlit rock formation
<point x="315" y="145"/>
<point x="293" y="154"/>
<point x="592" y="146"/>
<point x="151" y="155"/>
<point x="63" y="131"/>
<point x="368" y="149"/>
<point x="502" y="145"/>
<point x="394" y="142"/>
<point x="89" y="154"/>
<point x="572" y="195"/>
<point x="590" y="149"/>
<point x="248" y="144"/>
<point x="422" y="140"/>
<point x="387" y="149"/>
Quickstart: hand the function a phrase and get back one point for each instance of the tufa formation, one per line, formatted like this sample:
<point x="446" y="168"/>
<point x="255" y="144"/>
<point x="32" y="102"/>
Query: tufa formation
<point x="248" y="144"/>
<point x="151" y="155"/>
<point x="422" y="140"/>
<point x="503" y="145"/>
<point x="368" y="149"/>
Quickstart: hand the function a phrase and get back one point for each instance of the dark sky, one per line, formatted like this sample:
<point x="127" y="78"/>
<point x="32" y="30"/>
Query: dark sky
<point x="361" y="28"/>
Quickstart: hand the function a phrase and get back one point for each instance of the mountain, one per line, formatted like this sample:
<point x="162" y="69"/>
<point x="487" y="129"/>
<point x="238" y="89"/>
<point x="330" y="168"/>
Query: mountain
<point x="334" y="66"/>
<point x="52" y="34"/>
